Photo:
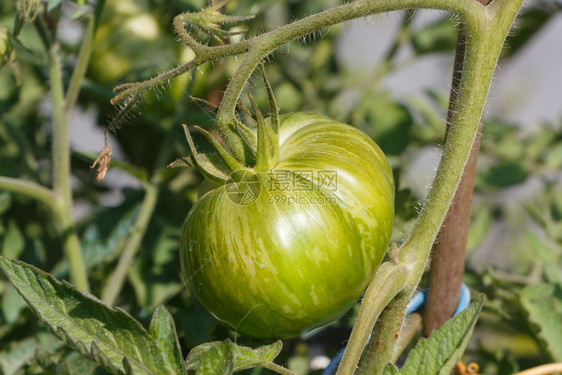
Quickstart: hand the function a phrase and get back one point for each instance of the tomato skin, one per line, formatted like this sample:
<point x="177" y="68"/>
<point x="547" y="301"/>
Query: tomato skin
<point x="293" y="259"/>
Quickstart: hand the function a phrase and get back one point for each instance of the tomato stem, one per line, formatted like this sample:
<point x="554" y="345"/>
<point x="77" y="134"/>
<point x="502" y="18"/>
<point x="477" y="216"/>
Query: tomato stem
<point x="447" y="261"/>
<point x="482" y="50"/>
<point x="261" y="46"/>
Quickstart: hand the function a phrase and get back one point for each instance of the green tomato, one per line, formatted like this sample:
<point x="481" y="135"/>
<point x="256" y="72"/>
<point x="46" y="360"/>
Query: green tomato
<point x="284" y="251"/>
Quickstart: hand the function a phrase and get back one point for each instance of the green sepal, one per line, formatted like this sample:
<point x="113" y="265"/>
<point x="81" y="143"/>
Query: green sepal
<point x="247" y="135"/>
<point x="184" y="162"/>
<point x="229" y="160"/>
<point x="247" y="110"/>
<point x="211" y="165"/>
<point x="273" y="109"/>
<point x="268" y="145"/>
<point x="207" y="105"/>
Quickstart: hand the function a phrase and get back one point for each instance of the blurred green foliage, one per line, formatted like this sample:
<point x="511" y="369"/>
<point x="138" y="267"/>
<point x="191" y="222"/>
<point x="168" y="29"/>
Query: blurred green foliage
<point x="515" y="240"/>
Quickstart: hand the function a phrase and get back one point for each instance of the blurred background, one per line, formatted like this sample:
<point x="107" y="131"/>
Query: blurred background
<point x="389" y="75"/>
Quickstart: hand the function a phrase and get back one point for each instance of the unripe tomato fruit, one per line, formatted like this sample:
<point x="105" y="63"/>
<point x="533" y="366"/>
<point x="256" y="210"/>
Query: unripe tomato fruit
<point x="283" y="251"/>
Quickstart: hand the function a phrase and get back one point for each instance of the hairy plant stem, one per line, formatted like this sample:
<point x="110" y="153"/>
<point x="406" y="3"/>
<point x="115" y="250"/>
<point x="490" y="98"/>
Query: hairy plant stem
<point x="61" y="175"/>
<point x="29" y="189"/>
<point x="448" y="254"/>
<point x="482" y="50"/>
<point x="388" y="283"/>
<point x="261" y="46"/>
<point x="265" y="44"/>
<point x="59" y="198"/>
<point x="382" y="347"/>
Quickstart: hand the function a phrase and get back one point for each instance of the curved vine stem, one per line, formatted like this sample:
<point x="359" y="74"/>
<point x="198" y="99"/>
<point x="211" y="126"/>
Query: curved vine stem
<point x="29" y="189"/>
<point x="388" y="282"/>
<point x="448" y="254"/>
<point x="59" y="198"/>
<point x="482" y="51"/>
<point x="261" y="46"/>
<point x="265" y="44"/>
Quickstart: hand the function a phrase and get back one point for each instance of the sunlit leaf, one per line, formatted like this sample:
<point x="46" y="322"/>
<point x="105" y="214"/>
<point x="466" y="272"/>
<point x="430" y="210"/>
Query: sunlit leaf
<point x="443" y="348"/>
<point x="105" y="335"/>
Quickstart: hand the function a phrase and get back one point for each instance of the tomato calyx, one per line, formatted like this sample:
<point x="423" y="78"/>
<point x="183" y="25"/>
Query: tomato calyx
<point x="237" y="151"/>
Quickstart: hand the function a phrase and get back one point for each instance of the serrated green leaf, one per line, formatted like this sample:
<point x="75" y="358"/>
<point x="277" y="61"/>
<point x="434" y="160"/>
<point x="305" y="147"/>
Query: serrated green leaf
<point x="99" y="357"/>
<point x="545" y="309"/>
<point x="97" y="331"/>
<point x="219" y="360"/>
<point x="163" y="330"/>
<point x="246" y="358"/>
<point x="443" y="348"/>
<point x="196" y="354"/>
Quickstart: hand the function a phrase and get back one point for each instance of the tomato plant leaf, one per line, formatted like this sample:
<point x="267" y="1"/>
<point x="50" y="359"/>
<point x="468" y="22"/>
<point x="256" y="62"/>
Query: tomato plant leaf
<point x="243" y="356"/>
<point x="196" y="354"/>
<point x="163" y="329"/>
<point x="106" y="335"/>
<point x="443" y="348"/>
<point x="218" y="360"/>
<point x="545" y="308"/>
<point x="246" y="358"/>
